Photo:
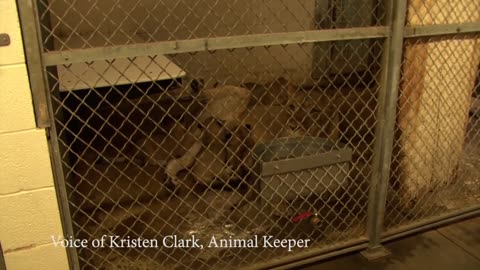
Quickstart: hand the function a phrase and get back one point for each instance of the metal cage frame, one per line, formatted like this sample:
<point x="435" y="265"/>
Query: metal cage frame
<point x="393" y="34"/>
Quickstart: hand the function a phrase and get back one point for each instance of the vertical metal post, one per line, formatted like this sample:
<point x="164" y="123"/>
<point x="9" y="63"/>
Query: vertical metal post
<point x="33" y="56"/>
<point x="39" y="83"/>
<point x="386" y="115"/>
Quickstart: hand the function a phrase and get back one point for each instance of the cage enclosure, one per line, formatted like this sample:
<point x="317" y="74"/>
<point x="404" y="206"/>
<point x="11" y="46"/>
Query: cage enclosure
<point x="343" y="123"/>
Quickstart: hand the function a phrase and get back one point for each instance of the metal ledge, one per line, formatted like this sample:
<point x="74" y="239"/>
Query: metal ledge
<point x="205" y="44"/>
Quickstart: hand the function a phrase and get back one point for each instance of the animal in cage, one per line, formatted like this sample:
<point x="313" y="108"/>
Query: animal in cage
<point x="231" y="123"/>
<point x="159" y="148"/>
<point x="233" y="119"/>
<point x="225" y="157"/>
<point x="213" y="146"/>
<point x="226" y="103"/>
<point x="203" y="148"/>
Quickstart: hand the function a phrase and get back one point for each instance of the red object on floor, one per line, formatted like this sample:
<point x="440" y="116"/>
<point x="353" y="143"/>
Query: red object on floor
<point x="301" y="216"/>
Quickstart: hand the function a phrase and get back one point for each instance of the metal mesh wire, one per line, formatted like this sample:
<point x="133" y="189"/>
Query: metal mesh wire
<point x="436" y="154"/>
<point x="118" y="142"/>
<point x="104" y="23"/>
<point x="426" y="12"/>
<point x="161" y="145"/>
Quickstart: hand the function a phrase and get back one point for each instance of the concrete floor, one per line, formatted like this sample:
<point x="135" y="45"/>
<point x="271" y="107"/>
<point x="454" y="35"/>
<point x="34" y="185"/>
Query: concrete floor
<point x="456" y="246"/>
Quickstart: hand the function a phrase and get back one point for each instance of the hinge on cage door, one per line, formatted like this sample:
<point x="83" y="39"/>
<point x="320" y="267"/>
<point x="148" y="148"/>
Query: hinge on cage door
<point x="4" y="39"/>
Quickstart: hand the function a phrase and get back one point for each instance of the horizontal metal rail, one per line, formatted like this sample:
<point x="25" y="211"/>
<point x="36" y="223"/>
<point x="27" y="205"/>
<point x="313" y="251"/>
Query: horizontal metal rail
<point x="430" y="223"/>
<point x="360" y="244"/>
<point x="314" y="259"/>
<point x="205" y="44"/>
<point x="246" y="41"/>
<point x="313" y="255"/>
<point x="441" y="29"/>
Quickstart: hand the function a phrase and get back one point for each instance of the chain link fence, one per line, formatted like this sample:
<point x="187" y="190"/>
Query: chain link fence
<point x="149" y="160"/>
<point x="241" y="120"/>
<point x="436" y="157"/>
<point x="108" y="23"/>
<point x="435" y="164"/>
